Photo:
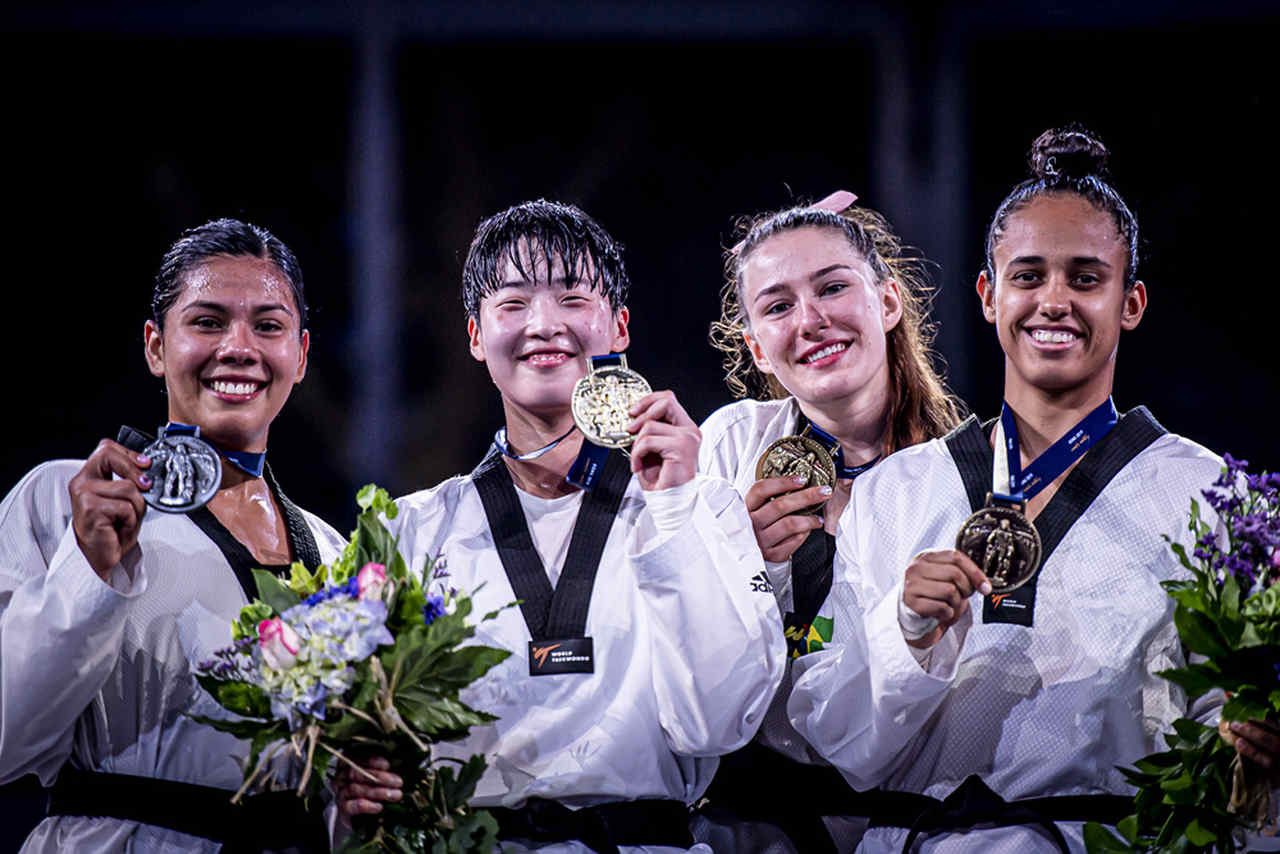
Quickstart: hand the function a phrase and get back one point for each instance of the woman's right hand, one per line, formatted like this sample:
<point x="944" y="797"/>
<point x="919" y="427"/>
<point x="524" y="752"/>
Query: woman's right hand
<point x="780" y="527"/>
<point x="363" y="792"/>
<point x="937" y="586"/>
<point x="107" y="513"/>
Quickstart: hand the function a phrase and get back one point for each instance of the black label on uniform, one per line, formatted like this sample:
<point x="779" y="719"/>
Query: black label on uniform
<point x="566" y="655"/>
<point x="1017" y="606"/>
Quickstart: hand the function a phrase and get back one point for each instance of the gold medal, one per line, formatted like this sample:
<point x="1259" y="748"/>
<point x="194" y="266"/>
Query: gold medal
<point x="1003" y="543"/>
<point x="798" y="456"/>
<point x="602" y="401"/>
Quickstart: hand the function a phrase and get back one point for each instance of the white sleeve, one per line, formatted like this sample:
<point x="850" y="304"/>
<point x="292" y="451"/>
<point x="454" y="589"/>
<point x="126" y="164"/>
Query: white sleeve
<point x="61" y="626"/>
<point x="718" y="652"/>
<point x="861" y="699"/>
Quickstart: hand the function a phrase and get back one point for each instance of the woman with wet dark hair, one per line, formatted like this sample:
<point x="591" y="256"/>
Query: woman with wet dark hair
<point x="823" y="322"/>
<point x="113" y="587"/>
<point x="988" y="698"/>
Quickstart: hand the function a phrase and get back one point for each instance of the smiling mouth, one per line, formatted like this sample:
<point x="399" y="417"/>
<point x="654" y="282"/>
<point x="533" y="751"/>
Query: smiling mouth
<point x="234" y="388"/>
<point x="546" y="358"/>
<point x="1054" y="336"/>
<point x="825" y="352"/>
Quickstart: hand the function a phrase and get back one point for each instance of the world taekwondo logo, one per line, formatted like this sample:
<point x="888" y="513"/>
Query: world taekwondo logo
<point x="540" y="653"/>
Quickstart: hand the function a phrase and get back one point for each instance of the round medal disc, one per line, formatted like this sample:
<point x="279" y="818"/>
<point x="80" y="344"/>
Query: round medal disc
<point x="1004" y="545"/>
<point x="602" y="401"/>
<point x="185" y="472"/>
<point x="798" y="456"/>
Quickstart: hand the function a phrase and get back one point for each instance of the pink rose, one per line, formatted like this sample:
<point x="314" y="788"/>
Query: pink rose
<point x="279" y="642"/>
<point x="370" y="580"/>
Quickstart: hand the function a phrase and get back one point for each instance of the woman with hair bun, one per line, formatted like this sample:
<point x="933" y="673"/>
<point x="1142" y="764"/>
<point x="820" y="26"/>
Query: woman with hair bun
<point x="978" y="692"/>
<point x="822" y="319"/>
<point x="114" y="587"/>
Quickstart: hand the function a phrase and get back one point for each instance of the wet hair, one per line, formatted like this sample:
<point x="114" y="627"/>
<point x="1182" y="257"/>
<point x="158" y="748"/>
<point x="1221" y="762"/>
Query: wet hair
<point x="919" y="406"/>
<point x="561" y="233"/>
<point x="1070" y="159"/>
<point x="223" y="238"/>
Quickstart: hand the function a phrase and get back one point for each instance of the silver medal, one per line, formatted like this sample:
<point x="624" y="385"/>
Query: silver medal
<point x="185" y="472"/>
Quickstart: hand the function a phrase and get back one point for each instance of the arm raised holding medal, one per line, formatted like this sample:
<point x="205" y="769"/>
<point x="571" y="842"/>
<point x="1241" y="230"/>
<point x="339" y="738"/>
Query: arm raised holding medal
<point x="640" y="647"/>
<point x="1026" y="695"/>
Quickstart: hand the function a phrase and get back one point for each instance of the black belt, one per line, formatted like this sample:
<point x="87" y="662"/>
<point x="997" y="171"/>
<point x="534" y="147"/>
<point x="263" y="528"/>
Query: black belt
<point x="973" y="804"/>
<point x="602" y="828"/>
<point x="269" y="820"/>
<point x="757" y="783"/>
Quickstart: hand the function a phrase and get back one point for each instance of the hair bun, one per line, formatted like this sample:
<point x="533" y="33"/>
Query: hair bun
<point x="1068" y="152"/>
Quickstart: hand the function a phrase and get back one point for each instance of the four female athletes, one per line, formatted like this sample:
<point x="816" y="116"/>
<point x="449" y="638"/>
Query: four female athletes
<point x="903" y="669"/>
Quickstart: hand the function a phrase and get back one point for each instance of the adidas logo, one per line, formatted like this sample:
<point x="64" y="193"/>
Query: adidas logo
<point x="760" y="583"/>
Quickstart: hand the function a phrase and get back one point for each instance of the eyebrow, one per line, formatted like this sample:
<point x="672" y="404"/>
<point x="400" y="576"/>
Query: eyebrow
<point x="207" y="305"/>
<point x="816" y="274"/>
<point x="1077" y="260"/>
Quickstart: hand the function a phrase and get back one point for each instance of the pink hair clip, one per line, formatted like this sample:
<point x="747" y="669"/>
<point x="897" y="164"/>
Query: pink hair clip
<point x="837" y="202"/>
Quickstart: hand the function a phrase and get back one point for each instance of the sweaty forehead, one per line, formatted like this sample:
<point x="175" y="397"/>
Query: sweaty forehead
<point x="240" y="278"/>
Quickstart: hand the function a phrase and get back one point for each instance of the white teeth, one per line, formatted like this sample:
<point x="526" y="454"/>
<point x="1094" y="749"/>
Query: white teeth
<point x="233" y="388"/>
<point x="825" y="352"/>
<point x="546" y="357"/>
<point x="1053" y="336"/>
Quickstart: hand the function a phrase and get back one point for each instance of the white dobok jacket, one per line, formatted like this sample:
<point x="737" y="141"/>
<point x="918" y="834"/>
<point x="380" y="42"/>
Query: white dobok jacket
<point x="1040" y="710"/>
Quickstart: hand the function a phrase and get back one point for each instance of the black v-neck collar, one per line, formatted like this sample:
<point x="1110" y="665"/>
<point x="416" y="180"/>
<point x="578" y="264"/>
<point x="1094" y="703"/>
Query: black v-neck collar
<point x="302" y="542"/>
<point x="559" y="612"/>
<point x="971" y="451"/>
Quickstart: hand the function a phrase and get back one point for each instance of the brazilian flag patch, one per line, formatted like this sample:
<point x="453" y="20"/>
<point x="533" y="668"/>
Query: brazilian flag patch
<point x="806" y="636"/>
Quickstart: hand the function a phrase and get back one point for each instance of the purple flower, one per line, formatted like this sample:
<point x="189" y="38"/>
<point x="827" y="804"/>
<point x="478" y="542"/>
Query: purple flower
<point x="434" y="609"/>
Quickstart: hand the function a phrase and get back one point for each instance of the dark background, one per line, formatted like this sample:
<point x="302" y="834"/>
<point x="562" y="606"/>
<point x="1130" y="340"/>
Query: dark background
<point x="373" y="137"/>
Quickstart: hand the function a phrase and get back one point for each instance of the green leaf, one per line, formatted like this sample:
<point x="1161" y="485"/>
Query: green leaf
<point x="1128" y="828"/>
<point x="1196" y="679"/>
<point x="1189" y="729"/>
<point x="246" y="625"/>
<point x="301" y="580"/>
<point x="1198" y="834"/>
<point x="243" y="698"/>
<point x="273" y="591"/>
<point x="1243" y="708"/>
<point x="1099" y="840"/>
<point x="1199" y="633"/>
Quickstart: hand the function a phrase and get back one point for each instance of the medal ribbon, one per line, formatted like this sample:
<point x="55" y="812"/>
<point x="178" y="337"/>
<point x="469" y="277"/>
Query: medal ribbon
<point x="504" y="447"/>
<point x="1011" y="482"/>
<point x="586" y="469"/>
<point x="248" y="462"/>
<point x="832" y="444"/>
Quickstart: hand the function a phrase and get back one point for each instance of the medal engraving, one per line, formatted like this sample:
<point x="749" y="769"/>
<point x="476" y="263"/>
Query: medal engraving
<point x="1004" y="545"/>
<point x="185" y="472"/>
<point x="798" y="456"/>
<point x="602" y="401"/>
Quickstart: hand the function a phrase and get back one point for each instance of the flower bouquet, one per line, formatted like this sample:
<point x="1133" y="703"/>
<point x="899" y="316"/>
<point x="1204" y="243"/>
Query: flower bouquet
<point x="356" y="659"/>
<point x="1197" y="795"/>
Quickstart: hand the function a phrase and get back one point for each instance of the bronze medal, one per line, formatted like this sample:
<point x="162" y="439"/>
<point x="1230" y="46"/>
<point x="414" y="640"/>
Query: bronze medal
<point x="798" y="456"/>
<point x="602" y="401"/>
<point x="185" y="472"/>
<point x="1003" y="543"/>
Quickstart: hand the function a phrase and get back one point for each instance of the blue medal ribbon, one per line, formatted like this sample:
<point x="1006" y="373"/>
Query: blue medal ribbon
<point x="586" y="469"/>
<point x="832" y="444"/>
<point x="247" y="461"/>
<point x="1025" y="484"/>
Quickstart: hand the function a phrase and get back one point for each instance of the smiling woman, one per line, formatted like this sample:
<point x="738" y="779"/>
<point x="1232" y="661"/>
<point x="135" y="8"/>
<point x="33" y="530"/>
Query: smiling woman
<point x="107" y="605"/>
<point x="822" y="314"/>
<point x="1017" y="702"/>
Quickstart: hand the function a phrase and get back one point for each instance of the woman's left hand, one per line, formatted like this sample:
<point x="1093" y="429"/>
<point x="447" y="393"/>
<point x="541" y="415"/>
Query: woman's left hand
<point x="665" y="452"/>
<point x="1259" y="741"/>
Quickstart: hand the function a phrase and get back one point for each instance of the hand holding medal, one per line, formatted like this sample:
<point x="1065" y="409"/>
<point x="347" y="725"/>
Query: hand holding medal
<point x="107" y="505"/>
